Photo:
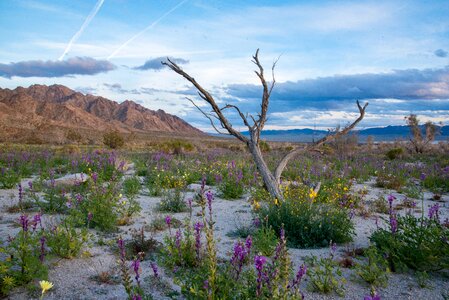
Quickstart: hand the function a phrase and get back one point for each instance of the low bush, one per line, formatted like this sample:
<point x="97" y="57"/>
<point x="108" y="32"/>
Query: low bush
<point x="113" y="140"/>
<point x="416" y="243"/>
<point x="309" y="224"/>
<point x="172" y="201"/>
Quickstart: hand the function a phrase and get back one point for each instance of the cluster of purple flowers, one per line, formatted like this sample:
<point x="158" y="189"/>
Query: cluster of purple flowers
<point x="197" y="227"/>
<point x="393" y="220"/>
<point x="433" y="212"/>
<point x="240" y="256"/>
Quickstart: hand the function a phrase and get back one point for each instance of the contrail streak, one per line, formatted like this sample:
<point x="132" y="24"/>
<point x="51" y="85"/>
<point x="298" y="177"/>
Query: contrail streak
<point x="147" y="28"/>
<point x="85" y="24"/>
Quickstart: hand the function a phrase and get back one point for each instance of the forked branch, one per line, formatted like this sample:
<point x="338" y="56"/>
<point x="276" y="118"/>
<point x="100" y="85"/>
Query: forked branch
<point x="313" y="147"/>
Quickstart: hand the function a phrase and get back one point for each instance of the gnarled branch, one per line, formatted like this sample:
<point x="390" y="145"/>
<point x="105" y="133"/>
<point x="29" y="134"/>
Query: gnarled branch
<point x="283" y="163"/>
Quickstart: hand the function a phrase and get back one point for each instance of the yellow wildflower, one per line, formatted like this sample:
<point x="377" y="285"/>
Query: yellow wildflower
<point x="276" y="201"/>
<point x="256" y="205"/>
<point x="45" y="285"/>
<point x="312" y="194"/>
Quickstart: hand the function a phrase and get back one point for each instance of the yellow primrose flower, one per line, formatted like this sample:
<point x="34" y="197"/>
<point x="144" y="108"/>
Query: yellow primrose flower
<point x="45" y="285"/>
<point x="312" y="193"/>
<point x="256" y="205"/>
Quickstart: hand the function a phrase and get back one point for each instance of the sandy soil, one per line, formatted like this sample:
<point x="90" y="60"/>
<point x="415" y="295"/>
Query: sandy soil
<point x="75" y="278"/>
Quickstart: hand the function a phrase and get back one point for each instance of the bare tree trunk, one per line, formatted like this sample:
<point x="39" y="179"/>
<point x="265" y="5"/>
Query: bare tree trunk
<point x="270" y="179"/>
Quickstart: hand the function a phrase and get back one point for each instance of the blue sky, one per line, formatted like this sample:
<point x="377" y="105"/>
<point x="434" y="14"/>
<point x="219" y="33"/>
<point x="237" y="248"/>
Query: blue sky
<point x="393" y="54"/>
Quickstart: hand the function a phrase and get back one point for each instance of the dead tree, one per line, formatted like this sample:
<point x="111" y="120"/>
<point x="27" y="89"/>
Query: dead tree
<point x="418" y="141"/>
<point x="255" y="125"/>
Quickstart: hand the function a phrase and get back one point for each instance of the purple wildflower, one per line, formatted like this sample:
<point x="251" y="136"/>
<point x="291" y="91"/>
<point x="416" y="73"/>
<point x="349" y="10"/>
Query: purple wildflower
<point x="155" y="269"/>
<point x="393" y="224"/>
<point x="94" y="177"/>
<point x="259" y="262"/>
<point x="178" y="241"/>
<point x="136" y="267"/>
<point x="168" y="222"/>
<point x="137" y="297"/>
<point x="433" y="211"/>
<point x="422" y="177"/>
<point x="36" y="220"/>
<point x="209" y="197"/>
<point x="42" y="254"/>
<point x="248" y="243"/>
<point x="121" y="246"/>
<point x="299" y="275"/>
<point x="24" y="222"/>
<point x="20" y="193"/>
<point x="197" y="228"/>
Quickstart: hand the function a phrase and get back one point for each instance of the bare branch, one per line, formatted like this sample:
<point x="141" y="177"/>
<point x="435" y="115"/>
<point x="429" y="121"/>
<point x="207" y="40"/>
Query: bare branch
<point x="244" y="119"/>
<point x="314" y="146"/>
<point x="208" y="98"/>
<point x="208" y="116"/>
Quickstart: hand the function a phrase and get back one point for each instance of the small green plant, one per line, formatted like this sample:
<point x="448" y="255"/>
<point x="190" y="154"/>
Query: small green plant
<point x="325" y="275"/>
<point x="65" y="240"/>
<point x="131" y="187"/>
<point x="141" y="246"/>
<point x="265" y="240"/>
<point x="9" y="178"/>
<point x="375" y="271"/>
<point x="173" y="201"/>
<point x="416" y="243"/>
<point x="422" y="278"/>
<point x="25" y="255"/>
<point x="394" y="153"/>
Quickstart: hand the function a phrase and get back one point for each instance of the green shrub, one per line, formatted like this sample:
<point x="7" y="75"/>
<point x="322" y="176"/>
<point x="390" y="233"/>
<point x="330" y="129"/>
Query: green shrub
<point x="131" y="187"/>
<point x="25" y="254"/>
<point x="265" y="241"/>
<point x="375" y="272"/>
<point x="113" y="139"/>
<point x="419" y="244"/>
<point x="65" y="240"/>
<point x="9" y="178"/>
<point x="309" y="224"/>
<point x="172" y="201"/>
<point x="394" y="153"/>
<point x="325" y="275"/>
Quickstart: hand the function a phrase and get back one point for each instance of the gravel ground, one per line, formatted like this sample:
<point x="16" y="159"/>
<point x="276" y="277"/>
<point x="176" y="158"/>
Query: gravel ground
<point x="76" y="278"/>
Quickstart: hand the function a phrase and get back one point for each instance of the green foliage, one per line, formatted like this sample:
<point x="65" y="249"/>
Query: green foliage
<point x="309" y="224"/>
<point x="325" y="276"/>
<point x="394" y="153"/>
<point x="172" y="201"/>
<point x="24" y="257"/>
<point x="9" y="178"/>
<point x="65" y="240"/>
<point x="265" y="241"/>
<point x="113" y="140"/>
<point x="437" y="182"/>
<point x="131" y="187"/>
<point x="391" y="180"/>
<point x="99" y="207"/>
<point x="419" y="244"/>
<point x="422" y="278"/>
<point x="375" y="272"/>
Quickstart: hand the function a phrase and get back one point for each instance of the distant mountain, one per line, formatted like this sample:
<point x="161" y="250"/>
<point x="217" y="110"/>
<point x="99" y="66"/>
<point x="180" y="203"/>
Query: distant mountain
<point x="388" y="133"/>
<point x="48" y="112"/>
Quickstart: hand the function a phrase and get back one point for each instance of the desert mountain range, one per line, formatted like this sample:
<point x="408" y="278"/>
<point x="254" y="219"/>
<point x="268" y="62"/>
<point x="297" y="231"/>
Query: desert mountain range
<point x="48" y="112"/>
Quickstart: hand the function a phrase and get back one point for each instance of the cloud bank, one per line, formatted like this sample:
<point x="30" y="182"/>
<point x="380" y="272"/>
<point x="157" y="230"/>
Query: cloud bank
<point x="156" y="63"/>
<point x="409" y="84"/>
<point x="49" y="68"/>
